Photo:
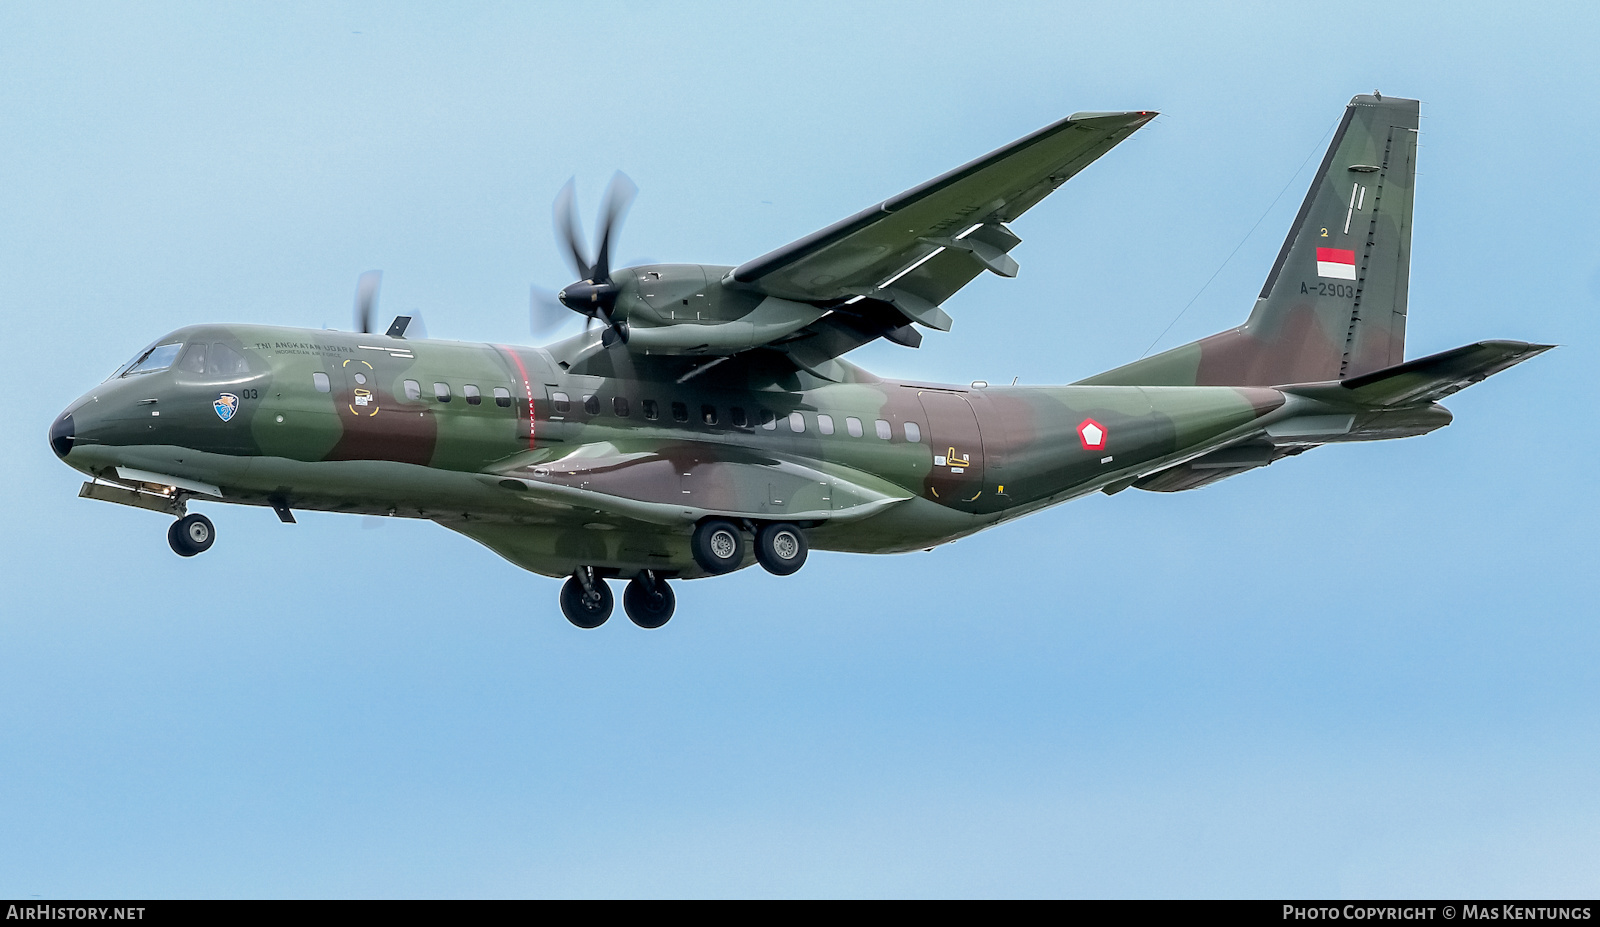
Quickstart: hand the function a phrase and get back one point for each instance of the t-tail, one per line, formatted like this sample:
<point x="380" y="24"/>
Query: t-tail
<point x="1333" y="307"/>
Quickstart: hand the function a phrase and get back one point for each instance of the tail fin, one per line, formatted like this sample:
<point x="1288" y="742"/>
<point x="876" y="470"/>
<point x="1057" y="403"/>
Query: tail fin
<point x="1334" y="305"/>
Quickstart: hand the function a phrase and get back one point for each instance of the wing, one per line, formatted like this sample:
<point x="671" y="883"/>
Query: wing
<point x="870" y="276"/>
<point x="918" y="248"/>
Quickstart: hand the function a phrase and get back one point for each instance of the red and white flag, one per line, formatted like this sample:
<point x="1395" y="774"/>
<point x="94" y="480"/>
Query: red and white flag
<point x="1336" y="262"/>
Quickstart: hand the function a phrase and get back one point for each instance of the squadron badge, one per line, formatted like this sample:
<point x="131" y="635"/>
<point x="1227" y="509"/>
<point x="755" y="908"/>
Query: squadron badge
<point x="226" y="405"/>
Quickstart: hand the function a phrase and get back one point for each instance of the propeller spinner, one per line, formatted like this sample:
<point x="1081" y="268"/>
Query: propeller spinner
<point x="595" y="295"/>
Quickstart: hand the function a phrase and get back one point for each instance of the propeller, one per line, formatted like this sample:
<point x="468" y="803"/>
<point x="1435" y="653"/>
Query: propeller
<point x="595" y="293"/>
<point x="545" y="312"/>
<point x="367" y="299"/>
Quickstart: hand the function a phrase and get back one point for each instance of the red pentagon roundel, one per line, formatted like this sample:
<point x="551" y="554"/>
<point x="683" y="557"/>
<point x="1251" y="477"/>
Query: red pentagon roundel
<point x="1092" y="434"/>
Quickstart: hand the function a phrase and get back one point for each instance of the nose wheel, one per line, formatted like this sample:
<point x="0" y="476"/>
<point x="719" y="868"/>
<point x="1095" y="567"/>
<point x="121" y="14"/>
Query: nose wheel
<point x="586" y="599"/>
<point x="192" y="534"/>
<point x="648" y="600"/>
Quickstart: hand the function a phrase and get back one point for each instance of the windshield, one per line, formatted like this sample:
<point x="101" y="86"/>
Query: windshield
<point x="217" y="361"/>
<point x="159" y="357"/>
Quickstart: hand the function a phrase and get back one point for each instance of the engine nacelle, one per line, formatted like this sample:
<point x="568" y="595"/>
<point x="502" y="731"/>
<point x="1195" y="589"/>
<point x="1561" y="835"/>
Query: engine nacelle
<point x="686" y="309"/>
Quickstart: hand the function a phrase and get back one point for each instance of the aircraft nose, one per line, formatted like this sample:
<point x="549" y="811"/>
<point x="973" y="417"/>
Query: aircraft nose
<point x="61" y="435"/>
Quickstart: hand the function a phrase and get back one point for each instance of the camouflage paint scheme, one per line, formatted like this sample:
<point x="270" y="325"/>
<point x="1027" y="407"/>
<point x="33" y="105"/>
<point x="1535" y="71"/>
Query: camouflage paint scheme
<point x="594" y="481"/>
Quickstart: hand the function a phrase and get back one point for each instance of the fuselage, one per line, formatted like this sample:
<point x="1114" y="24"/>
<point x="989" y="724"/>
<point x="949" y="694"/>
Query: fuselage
<point x="459" y="432"/>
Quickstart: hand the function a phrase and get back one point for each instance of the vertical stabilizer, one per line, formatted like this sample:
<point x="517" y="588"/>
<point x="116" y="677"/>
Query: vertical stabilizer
<point x="1334" y="304"/>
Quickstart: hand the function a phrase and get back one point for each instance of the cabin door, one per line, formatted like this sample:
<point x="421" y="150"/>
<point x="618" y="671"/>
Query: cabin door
<point x="957" y="476"/>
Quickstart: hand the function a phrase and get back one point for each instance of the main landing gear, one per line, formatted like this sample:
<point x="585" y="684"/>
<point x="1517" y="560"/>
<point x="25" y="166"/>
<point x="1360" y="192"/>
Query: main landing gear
<point x="192" y="534"/>
<point x="648" y="600"/>
<point x="718" y="547"/>
<point x="586" y="600"/>
<point x="781" y="549"/>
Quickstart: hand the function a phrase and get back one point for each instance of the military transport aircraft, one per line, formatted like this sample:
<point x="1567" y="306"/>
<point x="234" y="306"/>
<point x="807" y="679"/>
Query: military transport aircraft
<point x="709" y="421"/>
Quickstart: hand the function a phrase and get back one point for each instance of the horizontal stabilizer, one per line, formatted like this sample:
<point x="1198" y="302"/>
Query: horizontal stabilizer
<point x="1427" y="379"/>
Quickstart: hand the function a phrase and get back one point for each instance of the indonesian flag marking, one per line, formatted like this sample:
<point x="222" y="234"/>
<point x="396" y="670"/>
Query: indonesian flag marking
<point x="1336" y="262"/>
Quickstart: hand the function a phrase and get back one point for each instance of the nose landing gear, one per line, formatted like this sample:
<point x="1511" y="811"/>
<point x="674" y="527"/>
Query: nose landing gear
<point x="192" y="534"/>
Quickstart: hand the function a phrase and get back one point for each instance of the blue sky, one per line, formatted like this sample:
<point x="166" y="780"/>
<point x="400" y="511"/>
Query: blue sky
<point x="1368" y="671"/>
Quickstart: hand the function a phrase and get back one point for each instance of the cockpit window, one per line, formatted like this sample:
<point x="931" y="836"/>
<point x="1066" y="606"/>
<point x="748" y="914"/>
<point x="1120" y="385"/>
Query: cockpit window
<point x="223" y="361"/>
<point x="193" y="359"/>
<point x="159" y="357"/>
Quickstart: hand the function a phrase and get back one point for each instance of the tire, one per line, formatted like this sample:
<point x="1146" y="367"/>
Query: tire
<point x="646" y="607"/>
<point x="781" y="548"/>
<point x="582" y="611"/>
<point x="718" y="546"/>
<point x="191" y="534"/>
<point x="176" y="543"/>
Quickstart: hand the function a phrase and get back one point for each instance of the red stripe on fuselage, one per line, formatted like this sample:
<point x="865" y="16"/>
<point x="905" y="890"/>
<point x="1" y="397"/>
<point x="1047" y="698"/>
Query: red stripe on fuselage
<point x="526" y="387"/>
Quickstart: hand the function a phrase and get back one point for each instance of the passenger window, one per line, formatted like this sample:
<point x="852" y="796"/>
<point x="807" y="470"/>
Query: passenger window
<point x="853" y="425"/>
<point x="913" y="433"/>
<point x="223" y="361"/>
<point x="736" y="416"/>
<point x="651" y="410"/>
<point x="320" y="381"/>
<point x="441" y="392"/>
<point x="502" y="397"/>
<point x="825" y="424"/>
<point x="591" y="405"/>
<point x="560" y="403"/>
<point x="797" y="422"/>
<point x="708" y="414"/>
<point x="883" y="429"/>
<point x="471" y="392"/>
<point x="193" y="359"/>
<point x="768" y="420"/>
<point x="413" y="390"/>
<point x="619" y="405"/>
<point x="680" y="412"/>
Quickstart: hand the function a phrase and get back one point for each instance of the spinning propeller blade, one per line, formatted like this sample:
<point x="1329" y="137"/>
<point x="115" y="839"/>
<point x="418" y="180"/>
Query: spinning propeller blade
<point x="595" y="294"/>
<point x="545" y="312"/>
<point x="367" y="300"/>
